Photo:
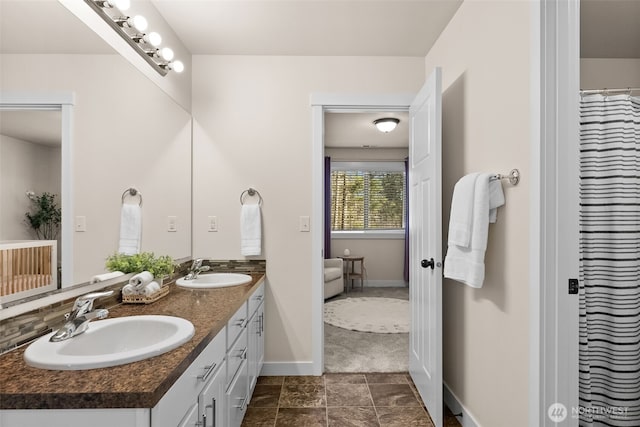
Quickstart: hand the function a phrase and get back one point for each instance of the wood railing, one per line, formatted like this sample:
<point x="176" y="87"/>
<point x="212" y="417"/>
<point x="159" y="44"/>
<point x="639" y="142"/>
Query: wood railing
<point x="27" y="268"/>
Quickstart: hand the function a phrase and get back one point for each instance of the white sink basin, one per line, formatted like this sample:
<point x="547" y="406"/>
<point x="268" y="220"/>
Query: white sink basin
<point x="214" y="280"/>
<point x="111" y="342"/>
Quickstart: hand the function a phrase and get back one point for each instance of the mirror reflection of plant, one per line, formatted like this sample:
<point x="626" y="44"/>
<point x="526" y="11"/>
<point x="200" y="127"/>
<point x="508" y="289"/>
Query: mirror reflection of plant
<point x="45" y="215"/>
<point x="146" y="261"/>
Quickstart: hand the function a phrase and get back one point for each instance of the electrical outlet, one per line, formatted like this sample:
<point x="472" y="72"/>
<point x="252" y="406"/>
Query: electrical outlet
<point x="172" y="223"/>
<point x="81" y="224"/>
<point x="304" y="223"/>
<point x="213" y="224"/>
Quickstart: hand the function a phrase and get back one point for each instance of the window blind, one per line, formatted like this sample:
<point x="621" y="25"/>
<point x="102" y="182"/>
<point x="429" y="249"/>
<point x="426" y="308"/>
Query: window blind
<point x="367" y="199"/>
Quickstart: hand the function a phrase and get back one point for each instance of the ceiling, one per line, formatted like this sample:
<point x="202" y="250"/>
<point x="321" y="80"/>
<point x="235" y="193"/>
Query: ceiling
<point x="308" y="27"/>
<point x="610" y="28"/>
<point x="20" y="125"/>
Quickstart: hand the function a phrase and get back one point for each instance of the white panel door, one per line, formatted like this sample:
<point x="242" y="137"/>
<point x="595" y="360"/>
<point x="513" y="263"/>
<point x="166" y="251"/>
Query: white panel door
<point x="425" y="245"/>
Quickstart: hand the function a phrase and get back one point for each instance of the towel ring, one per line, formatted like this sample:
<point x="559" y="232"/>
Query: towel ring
<point x="132" y="192"/>
<point x="250" y="192"/>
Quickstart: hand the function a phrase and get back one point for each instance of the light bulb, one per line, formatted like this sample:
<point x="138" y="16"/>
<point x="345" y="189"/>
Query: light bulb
<point x="138" y="22"/>
<point x="177" y="66"/>
<point x="166" y="53"/>
<point x="386" y="124"/>
<point x="153" y="39"/>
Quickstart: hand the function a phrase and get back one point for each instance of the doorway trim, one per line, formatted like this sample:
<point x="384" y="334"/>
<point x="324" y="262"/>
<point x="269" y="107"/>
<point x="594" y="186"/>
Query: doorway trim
<point x="320" y="103"/>
<point x="554" y="250"/>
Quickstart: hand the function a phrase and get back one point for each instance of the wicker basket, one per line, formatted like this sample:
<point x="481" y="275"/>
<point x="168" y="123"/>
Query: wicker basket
<point x="143" y="299"/>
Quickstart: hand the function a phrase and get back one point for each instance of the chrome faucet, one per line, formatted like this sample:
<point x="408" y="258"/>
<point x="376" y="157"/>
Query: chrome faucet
<point x="196" y="268"/>
<point x="79" y="318"/>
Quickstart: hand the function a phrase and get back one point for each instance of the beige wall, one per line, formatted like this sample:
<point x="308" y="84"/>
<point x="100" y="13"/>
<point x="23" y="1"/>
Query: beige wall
<point x="484" y="55"/>
<point x="24" y="166"/>
<point x="384" y="258"/>
<point x="126" y="132"/>
<point x="252" y="127"/>
<point x="600" y="73"/>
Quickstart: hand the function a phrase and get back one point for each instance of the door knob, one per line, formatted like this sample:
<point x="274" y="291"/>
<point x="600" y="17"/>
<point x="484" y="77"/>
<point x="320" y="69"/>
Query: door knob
<point x="430" y="263"/>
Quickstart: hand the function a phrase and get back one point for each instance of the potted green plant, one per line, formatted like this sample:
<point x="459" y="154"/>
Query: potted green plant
<point x="161" y="266"/>
<point x="45" y="215"/>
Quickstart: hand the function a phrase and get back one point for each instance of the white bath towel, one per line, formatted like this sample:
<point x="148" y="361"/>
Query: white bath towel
<point x="461" y="218"/>
<point x="140" y="280"/>
<point x="250" y="230"/>
<point x="151" y="288"/>
<point x="466" y="264"/>
<point x="496" y="199"/>
<point x="106" y="276"/>
<point x="130" y="229"/>
<point x="129" y="289"/>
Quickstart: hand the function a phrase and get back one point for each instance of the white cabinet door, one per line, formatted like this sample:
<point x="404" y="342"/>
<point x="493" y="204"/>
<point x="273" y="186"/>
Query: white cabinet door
<point x="255" y="351"/>
<point x="191" y="418"/>
<point x="238" y="397"/>
<point x="212" y="401"/>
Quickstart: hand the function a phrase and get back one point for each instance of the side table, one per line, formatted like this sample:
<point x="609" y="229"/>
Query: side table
<point x="351" y="273"/>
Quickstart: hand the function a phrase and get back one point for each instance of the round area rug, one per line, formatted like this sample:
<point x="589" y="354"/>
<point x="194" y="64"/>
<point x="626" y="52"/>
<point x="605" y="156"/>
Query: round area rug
<point x="369" y="314"/>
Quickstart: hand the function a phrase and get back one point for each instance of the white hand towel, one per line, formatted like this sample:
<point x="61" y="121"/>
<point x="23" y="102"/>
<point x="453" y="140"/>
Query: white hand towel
<point x="151" y="288"/>
<point x="250" y="230"/>
<point x="128" y="289"/>
<point x="140" y="280"/>
<point x="466" y="264"/>
<point x="130" y="229"/>
<point x="460" y="220"/>
<point x="106" y="276"/>
<point x="496" y="199"/>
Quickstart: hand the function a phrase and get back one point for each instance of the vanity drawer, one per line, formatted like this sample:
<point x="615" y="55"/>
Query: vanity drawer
<point x="237" y="354"/>
<point x="236" y="324"/>
<point x="256" y="299"/>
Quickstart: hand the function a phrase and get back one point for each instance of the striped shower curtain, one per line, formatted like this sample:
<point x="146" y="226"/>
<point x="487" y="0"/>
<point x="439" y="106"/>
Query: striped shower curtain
<point x="609" y="261"/>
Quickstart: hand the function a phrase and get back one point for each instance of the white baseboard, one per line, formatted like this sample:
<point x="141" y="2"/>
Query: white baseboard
<point x="270" y="369"/>
<point x="385" y="284"/>
<point x="452" y="401"/>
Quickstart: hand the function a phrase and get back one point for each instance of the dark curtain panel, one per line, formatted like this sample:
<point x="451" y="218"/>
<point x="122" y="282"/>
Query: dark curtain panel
<point x="327" y="207"/>
<point x="406" y="220"/>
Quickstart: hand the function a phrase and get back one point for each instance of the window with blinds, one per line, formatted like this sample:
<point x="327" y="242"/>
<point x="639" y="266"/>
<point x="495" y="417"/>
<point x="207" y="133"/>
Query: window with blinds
<point x="367" y="196"/>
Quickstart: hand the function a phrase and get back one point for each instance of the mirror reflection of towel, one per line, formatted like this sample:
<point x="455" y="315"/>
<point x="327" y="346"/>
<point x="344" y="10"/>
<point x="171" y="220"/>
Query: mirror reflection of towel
<point x="130" y="229"/>
<point x="250" y="230"/>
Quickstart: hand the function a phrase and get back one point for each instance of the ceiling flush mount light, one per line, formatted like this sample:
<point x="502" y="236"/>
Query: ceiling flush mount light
<point x="386" y="124"/>
<point x="132" y="30"/>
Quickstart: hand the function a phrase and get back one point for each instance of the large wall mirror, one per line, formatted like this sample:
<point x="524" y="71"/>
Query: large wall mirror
<point x="125" y="131"/>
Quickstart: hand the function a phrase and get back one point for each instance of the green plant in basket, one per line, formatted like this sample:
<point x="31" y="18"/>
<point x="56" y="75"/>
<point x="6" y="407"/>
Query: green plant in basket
<point x="146" y="261"/>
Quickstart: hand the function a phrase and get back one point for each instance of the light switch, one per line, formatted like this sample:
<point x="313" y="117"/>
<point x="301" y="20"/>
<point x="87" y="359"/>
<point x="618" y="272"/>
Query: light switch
<point x="172" y="223"/>
<point x="81" y="224"/>
<point x="304" y="223"/>
<point x="213" y="224"/>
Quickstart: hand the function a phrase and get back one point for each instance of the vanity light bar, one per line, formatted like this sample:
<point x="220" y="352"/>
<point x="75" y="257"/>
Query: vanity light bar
<point x="146" y="45"/>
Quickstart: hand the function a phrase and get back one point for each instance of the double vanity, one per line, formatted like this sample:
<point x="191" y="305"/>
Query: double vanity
<point x="206" y="381"/>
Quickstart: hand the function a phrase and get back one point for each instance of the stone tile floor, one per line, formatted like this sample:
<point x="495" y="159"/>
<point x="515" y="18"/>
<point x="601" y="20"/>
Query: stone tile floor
<point x="339" y="400"/>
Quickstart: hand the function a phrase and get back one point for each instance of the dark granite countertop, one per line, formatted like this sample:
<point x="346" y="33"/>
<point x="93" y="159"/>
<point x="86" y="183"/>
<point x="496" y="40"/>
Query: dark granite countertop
<point x="136" y="385"/>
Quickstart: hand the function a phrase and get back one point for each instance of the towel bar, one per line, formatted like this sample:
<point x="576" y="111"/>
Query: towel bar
<point x="513" y="177"/>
